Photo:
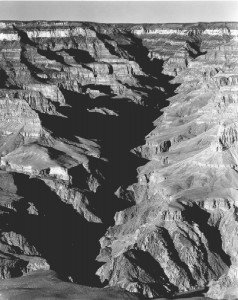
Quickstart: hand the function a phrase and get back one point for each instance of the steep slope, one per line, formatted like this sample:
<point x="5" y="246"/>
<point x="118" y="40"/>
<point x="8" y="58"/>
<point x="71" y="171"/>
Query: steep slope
<point x="77" y="100"/>
<point x="181" y="233"/>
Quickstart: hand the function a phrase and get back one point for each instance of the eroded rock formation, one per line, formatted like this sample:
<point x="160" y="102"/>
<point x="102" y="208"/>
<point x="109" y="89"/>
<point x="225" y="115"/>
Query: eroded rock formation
<point x="77" y="101"/>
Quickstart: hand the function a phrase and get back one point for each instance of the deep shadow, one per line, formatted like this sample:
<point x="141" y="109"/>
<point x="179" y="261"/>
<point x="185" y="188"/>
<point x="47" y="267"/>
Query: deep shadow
<point x="155" y="83"/>
<point x="80" y="56"/>
<point x="51" y="55"/>
<point x="3" y="78"/>
<point x="24" y="37"/>
<point x="212" y="234"/>
<point x="152" y="67"/>
<point x="68" y="242"/>
<point x="116" y="136"/>
<point x="7" y="81"/>
<point x="146" y="262"/>
<point x="77" y="174"/>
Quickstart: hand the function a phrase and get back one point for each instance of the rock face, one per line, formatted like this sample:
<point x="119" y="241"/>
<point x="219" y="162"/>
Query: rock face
<point x="77" y="101"/>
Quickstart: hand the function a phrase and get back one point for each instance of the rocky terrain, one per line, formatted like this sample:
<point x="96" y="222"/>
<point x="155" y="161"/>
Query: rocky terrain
<point x="118" y="160"/>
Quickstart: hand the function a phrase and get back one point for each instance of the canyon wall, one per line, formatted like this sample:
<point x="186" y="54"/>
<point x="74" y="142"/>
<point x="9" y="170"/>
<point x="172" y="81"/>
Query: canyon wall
<point x="125" y="134"/>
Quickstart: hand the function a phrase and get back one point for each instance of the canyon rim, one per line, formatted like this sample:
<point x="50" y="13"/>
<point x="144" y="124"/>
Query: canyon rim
<point x="118" y="160"/>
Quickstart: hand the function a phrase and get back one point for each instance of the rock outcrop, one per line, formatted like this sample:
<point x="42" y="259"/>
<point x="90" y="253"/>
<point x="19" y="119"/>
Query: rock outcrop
<point x="77" y="101"/>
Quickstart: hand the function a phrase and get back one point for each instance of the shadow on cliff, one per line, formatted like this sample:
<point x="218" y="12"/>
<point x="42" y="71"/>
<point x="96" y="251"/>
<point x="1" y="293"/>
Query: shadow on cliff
<point x="118" y="125"/>
<point x="3" y="78"/>
<point x="116" y="135"/>
<point x="122" y="127"/>
<point x="201" y="217"/>
<point x="68" y="242"/>
<point x="152" y="67"/>
<point x="128" y="46"/>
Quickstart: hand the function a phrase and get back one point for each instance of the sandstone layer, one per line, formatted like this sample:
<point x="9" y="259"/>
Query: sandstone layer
<point x="81" y="160"/>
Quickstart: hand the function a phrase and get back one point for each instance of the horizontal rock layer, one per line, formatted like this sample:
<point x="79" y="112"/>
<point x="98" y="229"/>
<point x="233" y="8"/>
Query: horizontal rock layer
<point x="75" y="99"/>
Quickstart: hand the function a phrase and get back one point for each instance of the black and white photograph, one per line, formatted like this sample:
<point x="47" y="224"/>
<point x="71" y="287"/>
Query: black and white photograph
<point x="119" y="150"/>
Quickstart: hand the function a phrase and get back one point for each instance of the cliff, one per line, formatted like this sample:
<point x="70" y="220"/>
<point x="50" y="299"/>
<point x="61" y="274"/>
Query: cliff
<point x="82" y="160"/>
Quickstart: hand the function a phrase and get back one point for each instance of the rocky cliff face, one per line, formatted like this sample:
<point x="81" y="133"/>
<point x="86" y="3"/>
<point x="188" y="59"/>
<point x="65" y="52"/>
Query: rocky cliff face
<point x="77" y="101"/>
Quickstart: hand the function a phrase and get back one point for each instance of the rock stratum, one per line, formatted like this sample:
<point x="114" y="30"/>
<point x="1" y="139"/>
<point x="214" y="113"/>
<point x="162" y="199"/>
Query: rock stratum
<point x="123" y="134"/>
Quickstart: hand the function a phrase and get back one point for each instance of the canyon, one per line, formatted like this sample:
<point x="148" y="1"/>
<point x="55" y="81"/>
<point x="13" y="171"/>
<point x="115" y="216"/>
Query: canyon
<point x="118" y="160"/>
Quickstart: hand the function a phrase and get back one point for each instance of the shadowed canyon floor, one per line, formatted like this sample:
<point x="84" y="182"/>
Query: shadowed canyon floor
<point x="118" y="161"/>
